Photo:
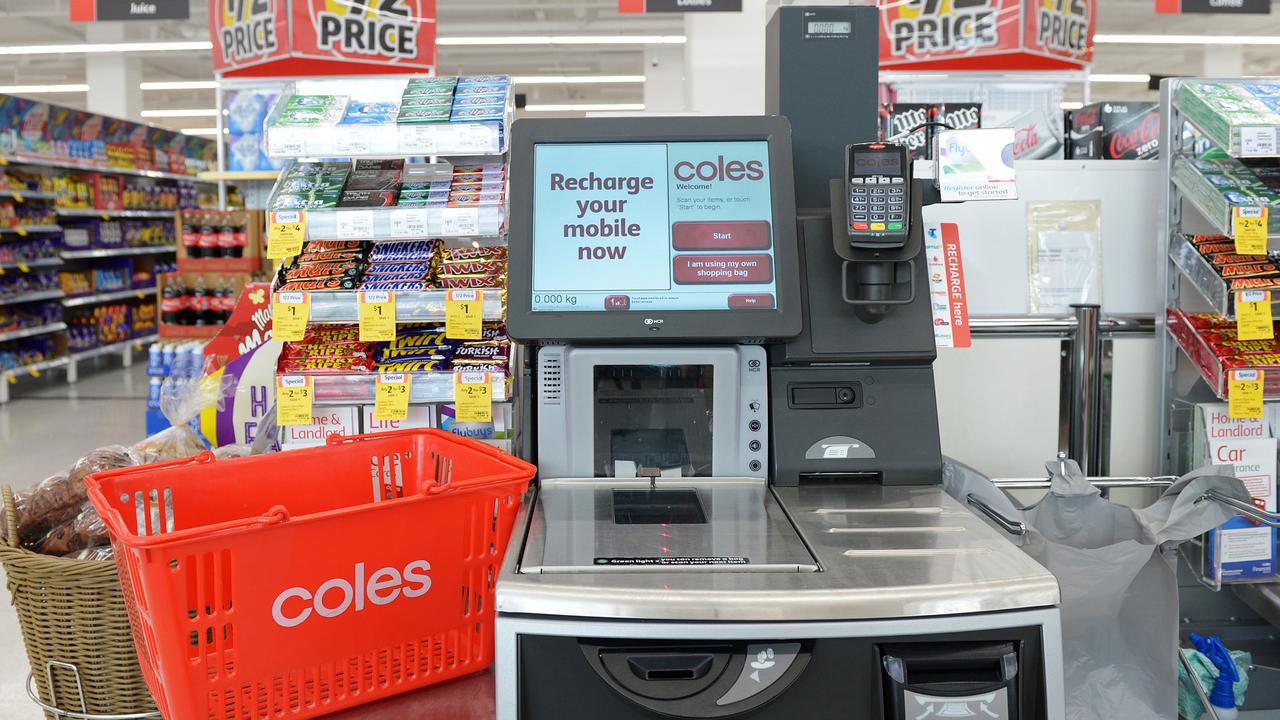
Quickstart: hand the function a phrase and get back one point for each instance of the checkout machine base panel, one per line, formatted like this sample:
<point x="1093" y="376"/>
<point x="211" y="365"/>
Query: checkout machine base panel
<point x="999" y="666"/>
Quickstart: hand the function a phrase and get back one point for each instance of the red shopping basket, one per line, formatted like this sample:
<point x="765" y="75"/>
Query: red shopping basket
<point x="298" y="584"/>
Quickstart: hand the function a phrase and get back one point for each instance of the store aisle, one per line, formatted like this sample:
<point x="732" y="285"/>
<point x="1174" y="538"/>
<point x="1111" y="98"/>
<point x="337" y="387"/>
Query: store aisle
<point x="45" y="429"/>
<point x="42" y="431"/>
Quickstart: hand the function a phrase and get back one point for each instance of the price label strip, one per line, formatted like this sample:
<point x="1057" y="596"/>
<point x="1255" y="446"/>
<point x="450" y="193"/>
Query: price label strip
<point x="354" y="224"/>
<point x="1253" y="315"/>
<point x="1249" y="230"/>
<point x="285" y="234"/>
<point x="407" y="223"/>
<point x="1244" y="394"/>
<point x="290" y="312"/>
<point x="1258" y="141"/>
<point x="377" y="312"/>
<point x="464" y="314"/>
<point x="295" y="395"/>
<point x="391" y="397"/>
<point x="473" y="397"/>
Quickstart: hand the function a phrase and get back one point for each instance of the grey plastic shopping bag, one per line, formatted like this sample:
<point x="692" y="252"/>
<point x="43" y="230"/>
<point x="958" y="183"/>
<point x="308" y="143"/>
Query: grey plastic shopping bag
<point x="1117" y="575"/>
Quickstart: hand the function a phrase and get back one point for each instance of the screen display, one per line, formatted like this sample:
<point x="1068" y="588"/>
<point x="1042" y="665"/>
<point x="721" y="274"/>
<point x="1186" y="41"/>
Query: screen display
<point x="877" y="163"/>
<point x="818" y="27"/>
<point x="652" y="226"/>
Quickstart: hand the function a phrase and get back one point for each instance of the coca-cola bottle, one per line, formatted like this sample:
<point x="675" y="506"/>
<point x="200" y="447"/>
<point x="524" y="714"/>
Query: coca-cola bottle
<point x="190" y="239"/>
<point x="226" y="240"/>
<point x="171" y="304"/>
<point x="200" y="302"/>
<point x="226" y="301"/>
<point x="208" y="238"/>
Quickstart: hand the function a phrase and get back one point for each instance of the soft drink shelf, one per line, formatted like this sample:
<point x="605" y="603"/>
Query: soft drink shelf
<point x="424" y="306"/>
<point x="425" y="387"/>
<point x="1241" y="118"/>
<point x="384" y="136"/>
<point x="1216" y="370"/>
<point x="1217" y="186"/>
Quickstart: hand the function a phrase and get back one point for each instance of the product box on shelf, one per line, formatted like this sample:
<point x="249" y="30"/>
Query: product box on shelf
<point x="1115" y="131"/>
<point x="1241" y="548"/>
<point x="442" y="416"/>
<point x="197" y="305"/>
<point x="326" y="420"/>
<point x="219" y="240"/>
<point x="1213" y="425"/>
<point x="420" y="416"/>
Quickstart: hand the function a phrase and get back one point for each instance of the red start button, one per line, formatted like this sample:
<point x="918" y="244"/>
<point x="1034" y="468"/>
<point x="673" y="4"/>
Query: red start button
<point x="617" y="302"/>
<point x="751" y="300"/>
<point x="721" y="235"/>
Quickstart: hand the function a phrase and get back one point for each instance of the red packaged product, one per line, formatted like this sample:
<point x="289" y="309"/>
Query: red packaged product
<point x="1209" y="249"/>
<point x="320" y="284"/>
<point x="327" y="349"/>
<point x="476" y="267"/>
<point x="1203" y="239"/>
<point x="1231" y="258"/>
<point x="326" y="365"/>
<point x="472" y="253"/>
<point x="1255" y="283"/>
<point x="322" y="270"/>
<point x="1210" y="321"/>
<point x="325" y="256"/>
<point x="332" y="333"/>
<point x="330" y="245"/>
<point x="1254" y="269"/>
<point x="1248" y="361"/>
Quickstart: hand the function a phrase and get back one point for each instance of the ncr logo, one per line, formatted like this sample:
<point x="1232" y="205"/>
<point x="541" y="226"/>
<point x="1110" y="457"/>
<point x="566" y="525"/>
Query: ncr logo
<point x="340" y="595"/>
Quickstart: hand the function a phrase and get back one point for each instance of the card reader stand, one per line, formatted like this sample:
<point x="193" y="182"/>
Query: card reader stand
<point x="875" y="276"/>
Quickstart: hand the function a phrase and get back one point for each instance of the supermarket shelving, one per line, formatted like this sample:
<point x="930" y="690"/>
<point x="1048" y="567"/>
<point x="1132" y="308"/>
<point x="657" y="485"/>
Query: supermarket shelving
<point x="29" y="229"/>
<point x="426" y="306"/>
<point x="116" y="252"/>
<point x="405" y="223"/>
<point x="32" y="297"/>
<point x="239" y="175"/>
<point x="43" y="262"/>
<point x="70" y="362"/>
<point x="11" y="375"/>
<point x="62" y="164"/>
<point x="141" y="293"/>
<point x="105" y="214"/>
<point x="1200" y="274"/>
<point x="1228" y="130"/>
<point x="1209" y="200"/>
<point x="425" y="387"/>
<point x="23" y="195"/>
<point x="32" y="331"/>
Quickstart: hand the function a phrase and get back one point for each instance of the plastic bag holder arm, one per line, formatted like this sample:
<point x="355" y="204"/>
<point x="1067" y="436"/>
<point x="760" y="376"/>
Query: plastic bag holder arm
<point x="1252" y="512"/>
<point x="1013" y="527"/>
<point x="1102" y="481"/>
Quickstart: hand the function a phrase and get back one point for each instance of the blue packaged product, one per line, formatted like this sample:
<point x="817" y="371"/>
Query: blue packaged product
<point x="482" y="79"/>
<point x="477" y="113"/>
<point x="370" y="114"/>
<point x="397" y="286"/>
<point x="482" y="89"/>
<point x="397" y="268"/>
<point x="479" y="100"/>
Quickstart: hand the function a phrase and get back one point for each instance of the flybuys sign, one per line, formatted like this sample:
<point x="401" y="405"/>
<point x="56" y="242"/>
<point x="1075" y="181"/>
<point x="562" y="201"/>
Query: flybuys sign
<point x="320" y="37"/>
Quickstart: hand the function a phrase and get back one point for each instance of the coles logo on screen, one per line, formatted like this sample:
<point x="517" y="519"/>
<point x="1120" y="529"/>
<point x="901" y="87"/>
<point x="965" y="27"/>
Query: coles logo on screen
<point x="337" y="596"/>
<point x="718" y="170"/>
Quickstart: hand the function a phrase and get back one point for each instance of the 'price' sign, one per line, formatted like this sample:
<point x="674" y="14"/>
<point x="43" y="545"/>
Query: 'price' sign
<point x="285" y="233"/>
<point x="294" y="397"/>
<point x="473" y="397"/>
<point x="391" y="401"/>
<point x="464" y="315"/>
<point x="290" y="312"/>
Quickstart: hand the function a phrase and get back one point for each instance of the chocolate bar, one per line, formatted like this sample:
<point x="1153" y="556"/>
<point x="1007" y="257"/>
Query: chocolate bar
<point x="318" y="285"/>
<point x="313" y="246"/>
<point x="396" y="285"/>
<point x="398" y="268"/>
<point x="332" y="333"/>
<point x="1254" y="269"/>
<point x="472" y="281"/>
<point x="1255" y="283"/>
<point x="475" y="267"/>
<point x="1231" y="258"/>
<point x="327" y="349"/>
<point x="342" y="364"/>
<point x="306" y="271"/>
<point x="330" y="256"/>
<point x="474" y="253"/>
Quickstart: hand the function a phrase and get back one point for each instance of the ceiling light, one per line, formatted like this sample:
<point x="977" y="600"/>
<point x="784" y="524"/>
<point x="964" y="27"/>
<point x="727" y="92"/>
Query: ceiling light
<point x="575" y="79"/>
<point x="202" y="131"/>
<point x="585" y="107"/>
<point x="1106" y="39"/>
<point x="179" y="113"/>
<point x="1071" y="105"/>
<point x="180" y="85"/>
<point x="1120" y="78"/>
<point x="121" y="47"/>
<point x="563" y="40"/>
<point x="38" y="89"/>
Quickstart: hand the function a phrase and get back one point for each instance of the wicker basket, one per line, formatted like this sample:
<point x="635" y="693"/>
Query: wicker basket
<point x="76" y="631"/>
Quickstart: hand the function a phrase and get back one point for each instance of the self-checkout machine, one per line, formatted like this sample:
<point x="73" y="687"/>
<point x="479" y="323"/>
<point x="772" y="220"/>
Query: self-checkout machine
<point x="739" y="511"/>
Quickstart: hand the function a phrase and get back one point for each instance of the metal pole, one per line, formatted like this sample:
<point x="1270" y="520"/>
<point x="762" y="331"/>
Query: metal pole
<point x="1084" y="401"/>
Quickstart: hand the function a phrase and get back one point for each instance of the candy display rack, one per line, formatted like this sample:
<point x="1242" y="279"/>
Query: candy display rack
<point x="1206" y="267"/>
<point x="427" y="154"/>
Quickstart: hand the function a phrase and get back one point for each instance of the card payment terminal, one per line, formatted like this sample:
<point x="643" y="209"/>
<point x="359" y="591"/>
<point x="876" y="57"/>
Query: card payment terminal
<point x="878" y="178"/>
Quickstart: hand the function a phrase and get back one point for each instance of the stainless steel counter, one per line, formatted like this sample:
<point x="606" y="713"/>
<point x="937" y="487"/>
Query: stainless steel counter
<point x="881" y="552"/>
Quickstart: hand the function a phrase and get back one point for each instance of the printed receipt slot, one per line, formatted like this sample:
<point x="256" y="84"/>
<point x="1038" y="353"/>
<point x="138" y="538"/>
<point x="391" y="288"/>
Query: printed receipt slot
<point x="738" y="499"/>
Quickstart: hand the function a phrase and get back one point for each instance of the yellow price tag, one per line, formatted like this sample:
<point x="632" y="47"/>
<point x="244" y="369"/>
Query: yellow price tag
<point x="1249" y="229"/>
<point x="464" y="315"/>
<point x="34" y="371"/>
<point x="17" y="196"/>
<point x="294" y="397"/>
<point x="473" y="397"/>
<point x="1253" y="315"/>
<point x="22" y="232"/>
<point x="1244" y="394"/>
<point x="23" y="266"/>
<point x="11" y="378"/>
<point x="391" y="397"/>
<point x="377" y="311"/>
<point x="290" y="312"/>
<point x="285" y="233"/>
